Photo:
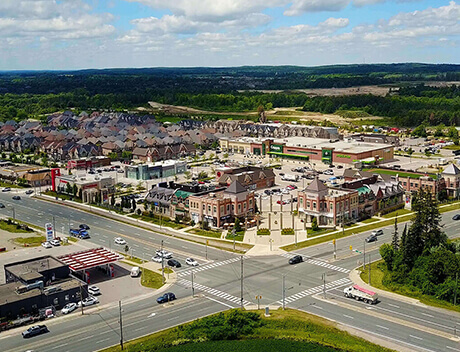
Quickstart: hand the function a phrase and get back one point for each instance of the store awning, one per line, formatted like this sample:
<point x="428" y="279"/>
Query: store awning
<point x="90" y="258"/>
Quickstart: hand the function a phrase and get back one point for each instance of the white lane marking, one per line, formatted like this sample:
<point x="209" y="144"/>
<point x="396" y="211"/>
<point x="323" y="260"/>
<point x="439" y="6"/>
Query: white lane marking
<point x="382" y="327"/>
<point x="318" y="307"/>
<point x="184" y="247"/>
<point x="348" y="316"/>
<point x="224" y="304"/>
<point x="100" y="341"/>
<point x="393" y="305"/>
<point x="65" y="344"/>
<point x="105" y="236"/>
<point x="136" y="245"/>
<point x="452" y="348"/>
<point x="416" y="337"/>
<point x="427" y="315"/>
<point x="142" y="327"/>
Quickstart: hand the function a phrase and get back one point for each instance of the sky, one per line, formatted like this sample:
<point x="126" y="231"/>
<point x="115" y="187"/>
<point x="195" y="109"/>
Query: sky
<point x="78" y="34"/>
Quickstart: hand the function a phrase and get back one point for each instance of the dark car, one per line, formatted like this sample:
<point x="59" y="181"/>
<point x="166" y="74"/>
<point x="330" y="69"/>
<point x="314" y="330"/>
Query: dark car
<point x="456" y="217"/>
<point x="174" y="263"/>
<point x="29" y="191"/>
<point x="167" y="297"/>
<point x="371" y="238"/>
<point x="34" y="331"/>
<point x="296" y="259"/>
<point x="84" y="226"/>
<point x="16" y="198"/>
<point x="2" y="205"/>
<point x="339" y="167"/>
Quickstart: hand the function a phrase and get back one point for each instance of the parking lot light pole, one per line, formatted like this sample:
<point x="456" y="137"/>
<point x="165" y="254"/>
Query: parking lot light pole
<point x="121" y="326"/>
<point x="162" y="262"/>
<point x="364" y="256"/>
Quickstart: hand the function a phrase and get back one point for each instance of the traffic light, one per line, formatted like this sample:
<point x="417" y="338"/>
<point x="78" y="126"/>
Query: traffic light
<point x="351" y="248"/>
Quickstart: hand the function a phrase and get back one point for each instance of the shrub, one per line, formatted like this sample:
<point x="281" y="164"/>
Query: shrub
<point x="287" y="231"/>
<point x="263" y="232"/>
<point x="314" y="224"/>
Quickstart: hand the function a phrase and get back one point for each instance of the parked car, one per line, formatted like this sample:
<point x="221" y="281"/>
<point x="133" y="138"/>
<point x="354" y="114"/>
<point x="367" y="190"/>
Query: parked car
<point x="296" y="259"/>
<point x="84" y="235"/>
<point x="377" y="232"/>
<point x="2" y="205"/>
<point x="74" y="232"/>
<point x="157" y="259"/>
<point x="135" y="271"/>
<point x="174" y="263"/>
<point x="84" y="227"/>
<point x="29" y="191"/>
<point x="34" y="331"/>
<point x="55" y="242"/>
<point x="88" y="301"/>
<point x="69" y="308"/>
<point x="16" y="198"/>
<point x="167" y="297"/>
<point x="94" y="290"/>
<point x="456" y="217"/>
<point x="163" y="253"/>
<point x="371" y="238"/>
<point x="6" y="189"/>
<point x="191" y="261"/>
<point x="120" y="241"/>
<point x="46" y="245"/>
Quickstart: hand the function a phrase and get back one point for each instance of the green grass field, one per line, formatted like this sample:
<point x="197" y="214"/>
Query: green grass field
<point x="288" y="330"/>
<point x="205" y="233"/>
<point x="11" y="228"/>
<point x="30" y="241"/>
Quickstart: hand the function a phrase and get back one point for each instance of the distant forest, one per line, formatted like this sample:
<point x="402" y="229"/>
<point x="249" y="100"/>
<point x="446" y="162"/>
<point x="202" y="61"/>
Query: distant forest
<point x="30" y="93"/>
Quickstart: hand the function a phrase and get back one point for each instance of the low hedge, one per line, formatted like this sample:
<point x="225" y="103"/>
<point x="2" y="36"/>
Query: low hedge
<point x="263" y="232"/>
<point x="287" y="231"/>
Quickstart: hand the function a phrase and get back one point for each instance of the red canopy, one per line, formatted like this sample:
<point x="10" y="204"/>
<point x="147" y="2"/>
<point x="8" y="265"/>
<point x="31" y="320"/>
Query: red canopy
<point x="89" y="258"/>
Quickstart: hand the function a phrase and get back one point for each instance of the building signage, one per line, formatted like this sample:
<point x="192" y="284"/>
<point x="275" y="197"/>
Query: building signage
<point x="276" y="148"/>
<point x="49" y="231"/>
<point x="92" y="185"/>
<point x="343" y="156"/>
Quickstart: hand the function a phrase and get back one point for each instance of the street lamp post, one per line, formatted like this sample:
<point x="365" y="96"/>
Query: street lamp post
<point x="364" y="256"/>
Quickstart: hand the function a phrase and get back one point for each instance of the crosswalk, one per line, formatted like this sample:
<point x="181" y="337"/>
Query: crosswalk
<point x="313" y="261"/>
<point x="315" y="290"/>
<point x="197" y="269"/>
<point x="212" y="291"/>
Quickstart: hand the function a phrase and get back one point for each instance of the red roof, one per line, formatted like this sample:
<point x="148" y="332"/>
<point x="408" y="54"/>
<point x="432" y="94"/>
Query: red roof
<point x="89" y="258"/>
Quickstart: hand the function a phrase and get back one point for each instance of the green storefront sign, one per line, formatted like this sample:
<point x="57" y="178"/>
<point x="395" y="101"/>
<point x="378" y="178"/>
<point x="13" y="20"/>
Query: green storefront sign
<point x="276" y="148"/>
<point x="343" y="156"/>
<point x="326" y="156"/>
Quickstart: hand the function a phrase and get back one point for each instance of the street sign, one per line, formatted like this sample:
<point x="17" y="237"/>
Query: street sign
<point x="49" y="231"/>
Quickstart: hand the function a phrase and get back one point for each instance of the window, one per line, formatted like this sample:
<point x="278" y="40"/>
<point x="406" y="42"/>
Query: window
<point x="204" y="207"/>
<point x="228" y="208"/>
<point x="244" y="205"/>
<point x="209" y="208"/>
<point x="221" y="209"/>
<point x="314" y="205"/>
<point x="308" y="204"/>
<point x="215" y="209"/>
<point x="250" y="202"/>
<point x="332" y="206"/>
<point x="233" y="207"/>
<point x="239" y="208"/>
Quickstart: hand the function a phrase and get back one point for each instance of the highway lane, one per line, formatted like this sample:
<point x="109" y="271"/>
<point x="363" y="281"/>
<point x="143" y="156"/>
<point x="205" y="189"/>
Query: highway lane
<point x="100" y="328"/>
<point x="103" y="230"/>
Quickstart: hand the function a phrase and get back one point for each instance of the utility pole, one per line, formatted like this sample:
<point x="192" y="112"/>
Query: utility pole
<point x="369" y="268"/>
<point x="121" y="327"/>
<point x="324" y="284"/>
<point x="284" y="292"/>
<point x="81" y="297"/>
<point x="162" y="262"/>
<point x="335" y="246"/>
<point x="364" y="256"/>
<point x="193" y="287"/>
<point x="455" y="293"/>
<point x="207" y="249"/>
<point x="54" y="227"/>
<point x="242" y="282"/>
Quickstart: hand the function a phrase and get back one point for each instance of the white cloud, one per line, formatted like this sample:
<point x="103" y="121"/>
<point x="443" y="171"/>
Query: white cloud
<point x="300" y="6"/>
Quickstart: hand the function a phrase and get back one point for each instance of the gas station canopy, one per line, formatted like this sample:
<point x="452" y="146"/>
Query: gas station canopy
<point x="90" y="258"/>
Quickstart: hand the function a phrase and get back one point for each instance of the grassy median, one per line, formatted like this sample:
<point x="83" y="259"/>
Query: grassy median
<point x="237" y="330"/>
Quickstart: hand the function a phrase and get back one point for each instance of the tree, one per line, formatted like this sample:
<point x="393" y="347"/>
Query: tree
<point x="237" y="225"/>
<point x="112" y="200"/>
<point x="388" y="254"/>
<point x="80" y="194"/>
<point x="68" y="188"/>
<point x="395" y="238"/>
<point x="74" y="190"/>
<point x="314" y="224"/>
<point x="133" y="205"/>
<point x="188" y="175"/>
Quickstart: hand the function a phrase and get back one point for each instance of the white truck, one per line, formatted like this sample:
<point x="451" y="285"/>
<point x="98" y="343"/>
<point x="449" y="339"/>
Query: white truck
<point x="291" y="178"/>
<point x="360" y="293"/>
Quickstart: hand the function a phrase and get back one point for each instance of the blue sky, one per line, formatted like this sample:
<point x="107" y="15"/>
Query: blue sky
<point x="74" y="34"/>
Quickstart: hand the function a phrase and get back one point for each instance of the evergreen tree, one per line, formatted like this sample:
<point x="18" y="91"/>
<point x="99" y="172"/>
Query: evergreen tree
<point x="395" y="238"/>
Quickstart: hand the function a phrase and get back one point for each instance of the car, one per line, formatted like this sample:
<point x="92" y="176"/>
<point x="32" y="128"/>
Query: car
<point x="157" y="259"/>
<point x="377" y="232"/>
<point x="456" y="217"/>
<point x="74" y="232"/>
<point x="46" y="245"/>
<point x="16" y="198"/>
<point x="191" y="261"/>
<point x="296" y="259"/>
<point x="55" y="242"/>
<point x="167" y="297"/>
<point x="84" y="227"/>
<point x="84" y="235"/>
<point x="6" y="189"/>
<point x="69" y="308"/>
<point x="120" y="241"/>
<point x="339" y="166"/>
<point x="88" y="301"/>
<point x="174" y="263"/>
<point x="29" y="191"/>
<point x="371" y="238"/>
<point x="163" y="253"/>
<point x="2" y="205"/>
<point x="328" y="172"/>
<point x="34" y="331"/>
<point x="94" y="290"/>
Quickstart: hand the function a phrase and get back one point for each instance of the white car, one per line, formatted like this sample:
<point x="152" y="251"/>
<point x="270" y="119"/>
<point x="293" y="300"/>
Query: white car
<point x="88" y="301"/>
<point x="69" y="308"/>
<point x="55" y="242"/>
<point x="164" y="254"/>
<point x="46" y="245"/>
<point x="191" y="261"/>
<point x="94" y="290"/>
<point x="119" y="241"/>
<point x="157" y="259"/>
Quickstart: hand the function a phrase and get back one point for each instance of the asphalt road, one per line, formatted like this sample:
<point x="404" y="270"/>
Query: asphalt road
<point x="218" y="282"/>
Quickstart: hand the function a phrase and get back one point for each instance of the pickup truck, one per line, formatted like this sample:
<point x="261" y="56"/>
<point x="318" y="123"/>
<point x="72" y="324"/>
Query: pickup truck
<point x="360" y="293"/>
